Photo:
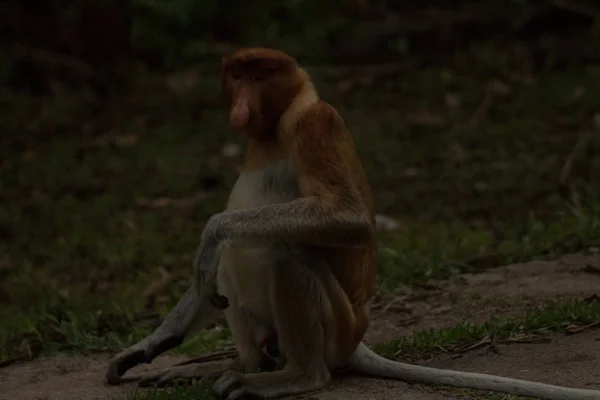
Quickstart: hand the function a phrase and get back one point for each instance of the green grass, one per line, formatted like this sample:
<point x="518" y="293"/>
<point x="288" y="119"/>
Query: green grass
<point x="419" y="252"/>
<point x="553" y="316"/>
<point x="194" y="391"/>
<point x="77" y="246"/>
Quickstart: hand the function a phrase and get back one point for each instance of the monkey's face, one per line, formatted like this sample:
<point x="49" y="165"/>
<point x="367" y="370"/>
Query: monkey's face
<point x="259" y="85"/>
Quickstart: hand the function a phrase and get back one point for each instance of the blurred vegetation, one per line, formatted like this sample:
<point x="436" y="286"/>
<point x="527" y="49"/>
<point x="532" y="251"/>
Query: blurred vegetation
<point x="90" y="54"/>
<point x="171" y="34"/>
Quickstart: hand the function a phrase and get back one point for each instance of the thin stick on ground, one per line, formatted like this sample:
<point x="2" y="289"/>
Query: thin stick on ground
<point x="215" y="356"/>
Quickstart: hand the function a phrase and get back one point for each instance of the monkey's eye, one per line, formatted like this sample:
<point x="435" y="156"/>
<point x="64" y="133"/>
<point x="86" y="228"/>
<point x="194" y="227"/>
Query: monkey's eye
<point x="235" y="74"/>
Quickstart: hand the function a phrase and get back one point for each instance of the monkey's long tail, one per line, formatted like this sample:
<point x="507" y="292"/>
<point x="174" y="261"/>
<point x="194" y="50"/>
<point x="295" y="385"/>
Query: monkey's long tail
<point x="366" y="362"/>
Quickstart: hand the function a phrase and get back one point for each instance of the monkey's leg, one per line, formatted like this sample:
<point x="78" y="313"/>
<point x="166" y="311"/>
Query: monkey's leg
<point x="299" y="303"/>
<point x="243" y="327"/>
<point x="191" y="313"/>
<point x="247" y="330"/>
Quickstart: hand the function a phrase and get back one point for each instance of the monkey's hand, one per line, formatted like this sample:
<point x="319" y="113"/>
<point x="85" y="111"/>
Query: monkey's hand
<point x="142" y="352"/>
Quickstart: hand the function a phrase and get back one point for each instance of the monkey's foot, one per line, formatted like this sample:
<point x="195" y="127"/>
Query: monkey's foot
<point x="230" y="385"/>
<point x="233" y="385"/>
<point x="142" y="352"/>
<point x="179" y="374"/>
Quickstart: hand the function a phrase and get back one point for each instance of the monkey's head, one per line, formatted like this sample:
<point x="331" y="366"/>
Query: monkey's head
<point x="259" y="84"/>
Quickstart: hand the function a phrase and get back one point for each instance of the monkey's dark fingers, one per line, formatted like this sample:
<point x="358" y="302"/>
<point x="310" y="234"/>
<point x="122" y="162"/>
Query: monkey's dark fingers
<point x="142" y="352"/>
<point x="122" y="362"/>
<point x="228" y="384"/>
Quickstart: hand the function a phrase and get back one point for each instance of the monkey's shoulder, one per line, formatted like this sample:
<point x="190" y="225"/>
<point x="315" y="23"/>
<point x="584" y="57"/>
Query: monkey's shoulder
<point x="322" y="118"/>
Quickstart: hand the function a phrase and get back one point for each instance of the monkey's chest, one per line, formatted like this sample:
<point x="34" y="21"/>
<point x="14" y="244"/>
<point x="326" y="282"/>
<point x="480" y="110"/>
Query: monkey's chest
<point x="274" y="184"/>
<point x="247" y="264"/>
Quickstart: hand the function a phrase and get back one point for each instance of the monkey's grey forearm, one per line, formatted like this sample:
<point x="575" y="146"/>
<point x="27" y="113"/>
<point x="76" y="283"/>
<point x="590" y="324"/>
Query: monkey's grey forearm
<point x="176" y="325"/>
<point x="190" y="314"/>
<point x="305" y="219"/>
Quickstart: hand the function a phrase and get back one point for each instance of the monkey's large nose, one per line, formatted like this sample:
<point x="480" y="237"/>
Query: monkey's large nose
<point x="239" y="115"/>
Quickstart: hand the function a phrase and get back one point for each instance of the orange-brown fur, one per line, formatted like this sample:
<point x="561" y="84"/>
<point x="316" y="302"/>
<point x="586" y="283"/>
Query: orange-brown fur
<point x="325" y="158"/>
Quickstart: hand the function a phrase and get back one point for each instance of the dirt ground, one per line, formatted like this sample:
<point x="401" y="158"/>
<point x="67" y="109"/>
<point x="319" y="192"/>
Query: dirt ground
<point x="566" y="360"/>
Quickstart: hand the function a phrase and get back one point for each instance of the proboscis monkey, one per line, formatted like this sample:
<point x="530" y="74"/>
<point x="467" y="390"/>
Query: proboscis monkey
<point x="294" y="254"/>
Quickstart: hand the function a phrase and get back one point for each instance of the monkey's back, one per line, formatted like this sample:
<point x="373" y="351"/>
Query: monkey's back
<point x="355" y="267"/>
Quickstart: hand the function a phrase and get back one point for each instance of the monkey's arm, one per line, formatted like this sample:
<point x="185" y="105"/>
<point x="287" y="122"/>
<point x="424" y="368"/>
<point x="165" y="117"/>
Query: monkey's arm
<point x="307" y="219"/>
<point x="330" y="212"/>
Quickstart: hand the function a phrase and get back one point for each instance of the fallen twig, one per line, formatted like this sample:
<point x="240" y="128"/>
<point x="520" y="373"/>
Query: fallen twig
<point x="491" y="341"/>
<point x="216" y="356"/>
<point x="487" y="340"/>
<point x="573" y="329"/>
